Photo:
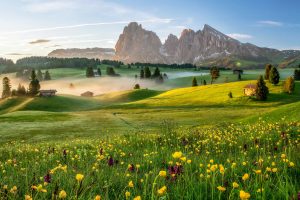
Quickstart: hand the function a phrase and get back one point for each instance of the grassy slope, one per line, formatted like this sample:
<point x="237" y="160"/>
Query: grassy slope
<point x="216" y="94"/>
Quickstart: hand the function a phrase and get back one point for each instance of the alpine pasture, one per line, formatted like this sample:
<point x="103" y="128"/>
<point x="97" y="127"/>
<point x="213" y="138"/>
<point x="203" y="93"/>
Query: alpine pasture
<point x="163" y="141"/>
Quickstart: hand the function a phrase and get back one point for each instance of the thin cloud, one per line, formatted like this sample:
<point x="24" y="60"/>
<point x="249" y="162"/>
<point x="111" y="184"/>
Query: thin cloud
<point x="270" y="23"/>
<point x="17" y="54"/>
<point x="239" y="36"/>
<point x="41" y="41"/>
<point x="154" y="20"/>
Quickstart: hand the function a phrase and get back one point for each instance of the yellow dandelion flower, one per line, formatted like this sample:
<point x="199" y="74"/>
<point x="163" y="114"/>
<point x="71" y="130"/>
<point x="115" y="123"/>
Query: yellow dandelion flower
<point x="244" y="195"/>
<point x="62" y="194"/>
<point x="127" y="194"/>
<point x="274" y="170"/>
<point x="79" y="177"/>
<point x="177" y="154"/>
<point x="163" y="173"/>
<point x="137" y="198"/>
<point x="98" y="197"/>
<point x="245" y="177"/>
<point x="222" y="189"/>
<point x="130" y="184"/>
<point x="28" y="197"/>
<point x="162" y="191"/>
<point x="235" y="185"/>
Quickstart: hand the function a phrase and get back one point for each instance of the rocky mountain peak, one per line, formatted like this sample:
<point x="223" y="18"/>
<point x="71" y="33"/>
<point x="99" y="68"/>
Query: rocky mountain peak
<point x="136" y="44"/>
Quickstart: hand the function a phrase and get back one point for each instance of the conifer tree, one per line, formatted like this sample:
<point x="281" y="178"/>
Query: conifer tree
<point x="274" y="76"/>
<point x="156" y="73"/>
<point x="267" y="71"/>
<point x="34" y="86"/>
<point x="214" y="73"/>
<point x="90" y="72"/>
<point x="204" y="82"/>
<point x="47" y="76"/>
<point x="6" y="90"/>
<point x="142" y="74"/>
<point x="39" y="75"/>
<point x="289" y="85"/>
<point x="194" y="82"/>
<point x="99" y="71"/>
<point x="262" y="90"/>
<point x="147" y="72"/>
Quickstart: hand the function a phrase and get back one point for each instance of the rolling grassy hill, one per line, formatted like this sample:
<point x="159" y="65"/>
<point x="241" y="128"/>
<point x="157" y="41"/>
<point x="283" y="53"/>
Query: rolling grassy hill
<point x="65" y="117"/>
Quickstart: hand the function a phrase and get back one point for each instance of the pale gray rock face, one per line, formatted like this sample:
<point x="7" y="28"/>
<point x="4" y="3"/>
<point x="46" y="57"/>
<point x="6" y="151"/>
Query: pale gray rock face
<point x="138" y="45"/>
<point x="100" y="53"/>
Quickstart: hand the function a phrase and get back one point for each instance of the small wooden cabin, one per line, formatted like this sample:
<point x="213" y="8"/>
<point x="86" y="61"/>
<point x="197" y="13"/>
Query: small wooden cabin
<point x="250" y="90"/>
<point x="47" y="93"/>
<point x="87" y="94"/>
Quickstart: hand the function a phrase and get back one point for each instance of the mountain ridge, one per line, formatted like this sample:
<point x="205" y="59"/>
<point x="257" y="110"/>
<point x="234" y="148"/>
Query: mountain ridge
<point x="204" y="47"/>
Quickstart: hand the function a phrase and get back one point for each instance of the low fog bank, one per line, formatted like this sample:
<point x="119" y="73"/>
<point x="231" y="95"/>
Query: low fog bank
<point x="97" y="85"/>
<point x="173" y="75"/>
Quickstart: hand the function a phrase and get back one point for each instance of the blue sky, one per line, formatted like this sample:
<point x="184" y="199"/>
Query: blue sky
<point x="36" y="27"/>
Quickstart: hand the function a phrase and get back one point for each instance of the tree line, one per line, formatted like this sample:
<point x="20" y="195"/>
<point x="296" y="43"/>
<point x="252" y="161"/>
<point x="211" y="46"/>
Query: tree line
<point x="146" y="73"/>
<point x="47" y="63"/>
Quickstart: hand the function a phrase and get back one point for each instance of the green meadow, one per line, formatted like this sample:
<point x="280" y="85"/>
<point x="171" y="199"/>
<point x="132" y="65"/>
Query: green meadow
<point x="169" y="141"/>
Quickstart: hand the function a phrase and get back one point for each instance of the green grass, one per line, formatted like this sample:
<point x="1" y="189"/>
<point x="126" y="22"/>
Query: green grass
<point x="145" y="127"/>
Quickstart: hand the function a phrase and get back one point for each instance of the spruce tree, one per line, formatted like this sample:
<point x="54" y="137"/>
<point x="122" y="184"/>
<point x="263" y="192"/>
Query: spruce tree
<point x="90" y="72"/>
<point x="204" y="82"/>
<point x="267" y="71"/>
<point x="156" y="73"/>
<point x="6" y="90"/>
<point x="194" y="82"/>
<point x="289" y="85"/>
<point x="39" y="75"/>
<point x="147" y="72"/>
<point x="99" y="71"/>
<point x="142" y="74"/>
<point x="274" y="76"/>
<point x="262" y="90"/>
<point x="47" y="76"/>
<point x="34" y="86"/>
<point x="214" y="73"/>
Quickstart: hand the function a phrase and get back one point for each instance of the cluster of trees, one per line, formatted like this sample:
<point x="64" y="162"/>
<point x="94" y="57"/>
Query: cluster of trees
<point x="91" y="73"/>
<point x="26" y="74"/>
<point x="272" y="74"/>
<point x="195" y="82"/>
<point x="33" y="88"/>
<point x="214" y="74"/>
<point x="146" y="73"/>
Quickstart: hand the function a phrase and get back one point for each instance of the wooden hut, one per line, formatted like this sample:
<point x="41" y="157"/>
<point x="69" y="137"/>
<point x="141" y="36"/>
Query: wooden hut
<point x="250" y="90"/>
<point x="87" y="94"/>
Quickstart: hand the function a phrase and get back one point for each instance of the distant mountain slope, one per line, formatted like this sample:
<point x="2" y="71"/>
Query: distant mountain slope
<point x="100" y="53"/>
<point x="204" y="47"/>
